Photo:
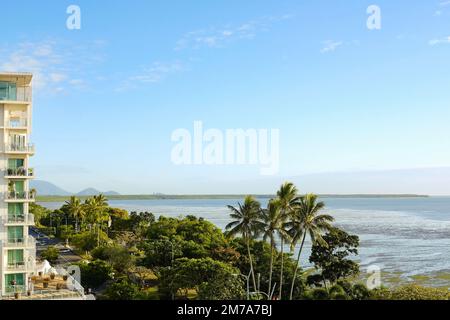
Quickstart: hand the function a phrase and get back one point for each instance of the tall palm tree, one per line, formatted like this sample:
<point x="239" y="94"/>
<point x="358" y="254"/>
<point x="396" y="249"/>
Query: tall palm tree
<point x="246" y="223"/>
<point x="307" y="220"/>
<point x="75" y="209"/>
<point x="270" y="218"/>
<point x="91" y="211"/>
<point x="287" y="200"/>
<point x="102" y="205"/>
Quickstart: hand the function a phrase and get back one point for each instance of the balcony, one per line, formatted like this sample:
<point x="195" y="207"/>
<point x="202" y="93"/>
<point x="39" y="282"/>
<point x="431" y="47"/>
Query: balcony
<point x="25" y="219"/>
<point x="9" y="93"/>
<point x="20" y="266"/>
<point x="19" y="173"/>
<point x="17" y="124"/>
<point x="19" y="149"/>
<point x="21" y="196"/>
<point x="25" y="242"/>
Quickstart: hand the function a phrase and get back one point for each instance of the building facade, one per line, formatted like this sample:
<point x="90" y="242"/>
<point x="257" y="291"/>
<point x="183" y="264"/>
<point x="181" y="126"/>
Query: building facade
<point x="17" y="247"/>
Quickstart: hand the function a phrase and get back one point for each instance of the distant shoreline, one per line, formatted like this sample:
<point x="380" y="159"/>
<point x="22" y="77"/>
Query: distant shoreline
<point x="221" y="196"/>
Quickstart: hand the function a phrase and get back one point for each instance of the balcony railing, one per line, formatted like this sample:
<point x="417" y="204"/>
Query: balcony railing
<point x="20" y="266"/>
<point x="27" y="219"/>
<point x="22" y="195"/>
<point x="19" y="242"/>
<point x="17" y="123"/>
<point x="19" y="172"/>
<point x="15" y="148"/>
<point x="19" y="94"/>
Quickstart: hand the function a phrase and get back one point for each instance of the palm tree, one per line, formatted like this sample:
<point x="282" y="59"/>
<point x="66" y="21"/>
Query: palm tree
<point x="271" y="218"/>
<point x="102" y="205"/>
<point x="246" y="223"/>
<point x="75" y="209"/>
<point x="287" y="199"/>
<point x="308" y="221"/>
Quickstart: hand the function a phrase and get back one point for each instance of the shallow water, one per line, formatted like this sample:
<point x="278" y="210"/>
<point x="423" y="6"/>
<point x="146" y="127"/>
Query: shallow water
<point x="406" y="236"/>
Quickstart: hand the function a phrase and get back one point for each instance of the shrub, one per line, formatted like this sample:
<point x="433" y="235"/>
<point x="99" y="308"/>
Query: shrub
<point x="410" y="292"/>
<point x="51" y="254"/>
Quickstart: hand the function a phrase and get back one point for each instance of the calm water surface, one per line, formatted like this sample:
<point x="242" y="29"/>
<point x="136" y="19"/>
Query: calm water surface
<point x="410" y="236"/>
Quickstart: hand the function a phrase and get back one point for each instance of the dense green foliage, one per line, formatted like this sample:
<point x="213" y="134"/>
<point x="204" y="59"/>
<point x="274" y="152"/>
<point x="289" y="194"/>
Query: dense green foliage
<point x="331" y="258"/>
<point x="136" y="256"/>
<point x="51" y="254"/>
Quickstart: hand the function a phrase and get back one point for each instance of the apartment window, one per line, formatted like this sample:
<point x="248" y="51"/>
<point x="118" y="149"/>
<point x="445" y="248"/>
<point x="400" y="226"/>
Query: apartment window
<point x="16" y="163"/>
<point x="16" y="187"/>
<point x="15" y="234"/>
<point x="15" y="257"/>
<point x="8" y="91"/>
<point x="14" y="282"/>
<point x="15" y="211"/>
<point x="18" y="141"/>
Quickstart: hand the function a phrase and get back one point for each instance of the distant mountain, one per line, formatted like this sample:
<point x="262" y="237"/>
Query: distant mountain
<point x="94" y="192"/>
<point x="48" y="189"/>
<point x="45" y="188"/>
<point x="88" y="192"/>
<point x="111" y="193"/>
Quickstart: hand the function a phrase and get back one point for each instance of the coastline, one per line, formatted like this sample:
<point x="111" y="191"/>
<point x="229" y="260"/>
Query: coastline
<point x="50" y="198"/>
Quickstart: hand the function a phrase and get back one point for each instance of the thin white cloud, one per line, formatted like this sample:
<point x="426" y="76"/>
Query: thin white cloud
<point x="330" y="46"/>
<point x="436" y="42"/>
<point x="54" y="64"/>
<point x="444" y="3"/>
<point x="155" y="73"/>
<point x="217" y="37"/>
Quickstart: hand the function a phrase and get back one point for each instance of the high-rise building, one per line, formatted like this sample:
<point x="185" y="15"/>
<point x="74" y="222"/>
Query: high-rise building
<point x="18" y="248"/>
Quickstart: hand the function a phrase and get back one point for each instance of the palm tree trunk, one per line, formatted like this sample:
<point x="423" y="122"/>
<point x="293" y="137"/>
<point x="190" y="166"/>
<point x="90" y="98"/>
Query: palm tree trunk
<point x="282" y="267"/>
<point x="271" y="265"/>
<point x="297" y="266"/>
<point x="251" y="265"/>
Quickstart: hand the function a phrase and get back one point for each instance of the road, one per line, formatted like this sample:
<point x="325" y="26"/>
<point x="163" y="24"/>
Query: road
<point x="66" y="256"/>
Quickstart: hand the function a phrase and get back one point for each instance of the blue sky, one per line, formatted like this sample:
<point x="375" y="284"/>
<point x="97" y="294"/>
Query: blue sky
<point x="345" y="98"/>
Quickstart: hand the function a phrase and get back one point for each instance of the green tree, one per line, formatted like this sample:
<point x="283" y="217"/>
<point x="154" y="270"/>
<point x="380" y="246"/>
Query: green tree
<point x="248" y="224"/>
<point x="273" y="222"/>
<point x="332" y="259"/>
<point x="122" y="290"/>
<point x="287" y="200"/>
<point x="307" y="220"/>
<point x="87" y="241"/>
<point x="51" y="254"/>
<point x="211" y="279"/>
<point x="75" y="209"/>
<point x="117" y="256"/>
<point x="95" y="273"/>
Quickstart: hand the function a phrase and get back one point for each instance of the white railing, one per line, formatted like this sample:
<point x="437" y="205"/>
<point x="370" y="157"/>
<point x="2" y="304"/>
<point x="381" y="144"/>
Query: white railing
<point x="19" y="242"/>
<point x="20" y="266"/>
<point x="23" y="195"/>
<point x="17" y="123"/>
<point x="19" y="148"/>
<point x="19" y="172"/>
<point x="27" y="219"/>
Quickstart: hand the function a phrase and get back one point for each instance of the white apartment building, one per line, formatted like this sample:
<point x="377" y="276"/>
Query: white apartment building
<point x="18" y="249"/>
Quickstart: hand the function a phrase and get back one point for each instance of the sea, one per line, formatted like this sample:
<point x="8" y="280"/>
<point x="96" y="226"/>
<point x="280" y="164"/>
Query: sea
<point x="406" y="239"/>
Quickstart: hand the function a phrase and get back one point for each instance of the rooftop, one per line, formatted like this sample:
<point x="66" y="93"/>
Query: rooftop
<point x="21" y="78"/>
<point x="54" y="289"/>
